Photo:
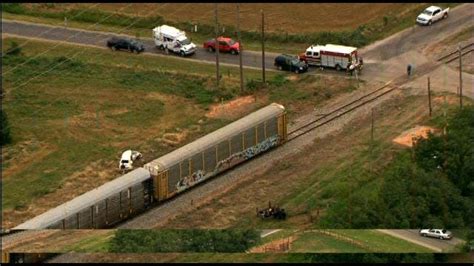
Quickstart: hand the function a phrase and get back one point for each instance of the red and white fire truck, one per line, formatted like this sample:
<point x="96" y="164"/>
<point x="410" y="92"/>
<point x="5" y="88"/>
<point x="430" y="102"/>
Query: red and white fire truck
<point x="330" y="55"/>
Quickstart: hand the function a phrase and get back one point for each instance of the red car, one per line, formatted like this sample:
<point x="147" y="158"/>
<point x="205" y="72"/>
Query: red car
<point x="225" y="45"/>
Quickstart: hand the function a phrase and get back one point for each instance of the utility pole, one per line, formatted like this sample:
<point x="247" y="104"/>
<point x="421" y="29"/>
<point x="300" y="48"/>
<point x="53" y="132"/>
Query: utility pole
<point x="240" y="48"/>
<point x="263" y="46"/>
<point x="216" y="46"/>
<point x="460" y="76"/>
<point x="429" y="95"/>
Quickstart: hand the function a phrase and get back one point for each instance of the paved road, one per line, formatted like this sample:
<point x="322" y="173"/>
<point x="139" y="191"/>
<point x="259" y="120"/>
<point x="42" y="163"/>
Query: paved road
<point x="436" y="245"/>
<point x="415" y="37"/>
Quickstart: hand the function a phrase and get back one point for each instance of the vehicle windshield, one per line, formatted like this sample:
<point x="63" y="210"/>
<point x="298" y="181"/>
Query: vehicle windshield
<point x="426" y="12"/>
<point x="124" y="161"/>
<point x="231" y="42"/>
<point x="444" y="231"/>
<point x="185" y="42"/>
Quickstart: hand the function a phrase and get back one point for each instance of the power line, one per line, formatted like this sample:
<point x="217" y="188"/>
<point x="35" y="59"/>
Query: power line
<point x="62" y="62"/>
<point x="79" y="32"/>
<point x="52" y="27"/>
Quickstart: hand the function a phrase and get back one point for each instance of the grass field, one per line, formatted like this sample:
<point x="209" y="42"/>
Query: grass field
<point x="69" y="125"/>
<point x="290" y="27"/>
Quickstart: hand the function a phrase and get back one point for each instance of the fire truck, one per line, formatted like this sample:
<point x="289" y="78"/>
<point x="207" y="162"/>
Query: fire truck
<point x="330" y="55"/>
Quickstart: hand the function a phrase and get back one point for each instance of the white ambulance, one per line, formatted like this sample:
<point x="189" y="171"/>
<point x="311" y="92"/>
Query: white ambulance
<point x="171" y="39"/>
<point x="330" y="55"/>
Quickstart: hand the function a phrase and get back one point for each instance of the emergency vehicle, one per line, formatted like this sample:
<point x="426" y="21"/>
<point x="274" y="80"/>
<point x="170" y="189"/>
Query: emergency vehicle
<point x="171" y="39"/>
<point x="330" y="55"/>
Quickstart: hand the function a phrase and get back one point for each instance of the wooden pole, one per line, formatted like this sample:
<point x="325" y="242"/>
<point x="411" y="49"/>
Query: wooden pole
<point x="429" y="96"/>
<point x="460" y="77"/>
<point x="216" y="46"/>
<point x="263" y="47"/>
<point x="240" y="52"/>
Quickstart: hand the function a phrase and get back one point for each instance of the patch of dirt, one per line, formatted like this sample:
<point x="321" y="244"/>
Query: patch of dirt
<point x="21" y="154"/>
<point x="407" y="138"/>
<point x="276" y="246"/>
<point x="232" y="109"/>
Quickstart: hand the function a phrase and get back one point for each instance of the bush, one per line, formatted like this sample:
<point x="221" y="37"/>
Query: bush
<point x="5" y="135"/>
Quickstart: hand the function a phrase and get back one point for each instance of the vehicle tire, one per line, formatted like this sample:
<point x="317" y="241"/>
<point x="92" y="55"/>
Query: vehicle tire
<point x="280" y="68"/>
<point x="233" y="52"/>
<point x="445" y="15"/>
<point x="210" y="49"/>
<point x="441" y="238"/>
<point x="135" y="51"/>
<point x="161" y="47"/>
<point x="430" y="23"/>
<point x="297" y="71"/>
<point x="423" y="234"/>
<point x="181" y="53"/>
<point x="113" y="48"/>
<point x="338" y="68"/>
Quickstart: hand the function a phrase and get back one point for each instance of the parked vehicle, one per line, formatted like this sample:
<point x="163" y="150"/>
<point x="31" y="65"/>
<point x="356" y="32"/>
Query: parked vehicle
<point x="291" y="63"/>
<point x="437" y="233"/>
<point x="225" y="45"/>
<point x="128" y="157"/>
<point x="330" y="55"/>
<point x="116" y="43"/>
<point x="432" y="14"/>
<point x="171" y="39"/>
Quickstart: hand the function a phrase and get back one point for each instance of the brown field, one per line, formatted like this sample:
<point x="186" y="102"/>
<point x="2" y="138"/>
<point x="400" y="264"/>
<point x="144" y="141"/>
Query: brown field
<point x="285" y="17"/>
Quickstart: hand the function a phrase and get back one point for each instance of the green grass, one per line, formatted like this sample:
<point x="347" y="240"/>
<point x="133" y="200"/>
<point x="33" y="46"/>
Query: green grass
<point x="383" y="243"/>
<point x="93" y="244"/>
<point x="312" y="242"/>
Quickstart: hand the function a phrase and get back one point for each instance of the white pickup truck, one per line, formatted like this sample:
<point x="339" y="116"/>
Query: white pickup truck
<point x="432" y="14"/>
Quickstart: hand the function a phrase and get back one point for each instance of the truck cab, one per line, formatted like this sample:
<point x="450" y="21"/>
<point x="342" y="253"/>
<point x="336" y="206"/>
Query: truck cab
<point x="171" y="39"/>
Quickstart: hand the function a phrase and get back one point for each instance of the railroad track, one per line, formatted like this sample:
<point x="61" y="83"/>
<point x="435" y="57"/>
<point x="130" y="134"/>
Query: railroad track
<point x="455" y="54"/>
<point x="335" y="114"/>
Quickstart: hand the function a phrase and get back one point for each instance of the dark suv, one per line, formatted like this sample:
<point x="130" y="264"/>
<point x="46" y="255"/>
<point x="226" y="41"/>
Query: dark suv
<point x="126" y="44"/>
<point x="291" y="63"/>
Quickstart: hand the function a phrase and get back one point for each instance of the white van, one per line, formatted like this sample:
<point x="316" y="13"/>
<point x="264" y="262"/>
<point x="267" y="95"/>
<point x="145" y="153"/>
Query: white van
<point x="171" y="39"/>
<point x="128" y="156"/>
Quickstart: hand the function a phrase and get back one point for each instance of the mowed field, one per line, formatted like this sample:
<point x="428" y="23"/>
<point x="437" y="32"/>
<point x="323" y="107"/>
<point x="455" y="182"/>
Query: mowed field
<point x="281" y="17"/>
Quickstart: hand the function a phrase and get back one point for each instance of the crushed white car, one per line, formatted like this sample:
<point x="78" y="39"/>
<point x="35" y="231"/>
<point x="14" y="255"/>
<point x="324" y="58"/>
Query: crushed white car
<point x="128" y="157"/>
<point x="431" y="15"/>
<point x="437" y="233"/>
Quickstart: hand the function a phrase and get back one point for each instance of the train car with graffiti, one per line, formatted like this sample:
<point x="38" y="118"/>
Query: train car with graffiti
<point x="218" y="151"/>
<point x="170" y="174"/>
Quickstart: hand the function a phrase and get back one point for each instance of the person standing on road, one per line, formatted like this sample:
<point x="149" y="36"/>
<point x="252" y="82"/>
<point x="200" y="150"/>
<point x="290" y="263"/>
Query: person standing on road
<point x="409" y="70"/>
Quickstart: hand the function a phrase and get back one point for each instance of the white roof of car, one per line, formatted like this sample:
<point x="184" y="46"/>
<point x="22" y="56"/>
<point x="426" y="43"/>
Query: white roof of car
<point x="432" y="8"/>
<point x="332" y="48"/>
<point x="168" y="30"/>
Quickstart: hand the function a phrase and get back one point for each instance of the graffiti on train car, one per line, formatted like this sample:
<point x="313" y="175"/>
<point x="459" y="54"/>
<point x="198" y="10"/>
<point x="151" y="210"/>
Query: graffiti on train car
<point x="236" y="158"/>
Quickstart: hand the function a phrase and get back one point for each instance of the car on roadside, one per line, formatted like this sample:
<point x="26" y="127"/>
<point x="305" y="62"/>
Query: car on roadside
<point x="290" y="63"/>
<point x="436" y="233"/>
<point x="226" y="45"/>
<point x="431" y="15"/>
<point x="130" y="45"/>
<point x="127" y="159"/>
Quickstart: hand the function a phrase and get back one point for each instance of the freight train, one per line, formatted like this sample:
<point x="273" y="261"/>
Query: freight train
<point x="170" y="174"/>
